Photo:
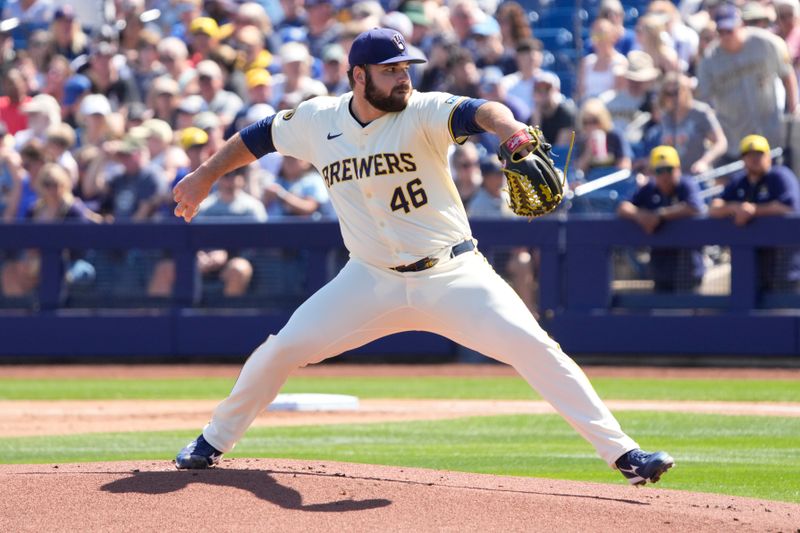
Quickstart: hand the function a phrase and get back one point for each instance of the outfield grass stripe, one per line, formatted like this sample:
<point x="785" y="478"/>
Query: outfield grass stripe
<point x="743" y="455"/>
<point x="434" y="387"/>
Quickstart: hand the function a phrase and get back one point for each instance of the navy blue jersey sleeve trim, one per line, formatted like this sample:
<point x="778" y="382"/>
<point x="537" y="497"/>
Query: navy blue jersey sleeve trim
<point x="258" y="137"/>
<point x="462" y="121"/>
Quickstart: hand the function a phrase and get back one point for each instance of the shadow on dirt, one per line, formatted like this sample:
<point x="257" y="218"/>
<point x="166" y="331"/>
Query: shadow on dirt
<point x="259" y="483"/>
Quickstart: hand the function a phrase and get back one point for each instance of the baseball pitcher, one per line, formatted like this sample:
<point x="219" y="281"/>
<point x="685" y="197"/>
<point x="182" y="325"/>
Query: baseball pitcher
<point x="382" y="151"/>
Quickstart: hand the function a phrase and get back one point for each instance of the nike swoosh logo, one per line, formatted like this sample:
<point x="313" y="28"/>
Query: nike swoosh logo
<point x="331" y="136"/>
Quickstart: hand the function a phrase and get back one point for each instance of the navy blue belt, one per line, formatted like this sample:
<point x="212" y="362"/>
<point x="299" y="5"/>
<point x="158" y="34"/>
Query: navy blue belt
<point x="427" y="262"/>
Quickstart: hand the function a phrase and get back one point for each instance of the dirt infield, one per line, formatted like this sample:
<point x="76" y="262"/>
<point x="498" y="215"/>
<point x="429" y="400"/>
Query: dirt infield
<point x="287" y="496"/>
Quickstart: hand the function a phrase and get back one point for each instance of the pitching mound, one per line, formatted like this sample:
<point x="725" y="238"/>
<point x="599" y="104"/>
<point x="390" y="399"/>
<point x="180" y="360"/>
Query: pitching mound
<point x="286" y="495"/>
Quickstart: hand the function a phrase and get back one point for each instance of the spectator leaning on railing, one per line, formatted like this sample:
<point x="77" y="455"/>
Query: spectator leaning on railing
<point x="20" y="275"/>
<point x="667" y="196"/>
<point x="763" y="189"/>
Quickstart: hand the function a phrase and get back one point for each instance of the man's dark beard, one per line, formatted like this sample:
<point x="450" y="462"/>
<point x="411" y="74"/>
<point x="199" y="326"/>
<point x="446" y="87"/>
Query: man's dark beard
<point x="391" y="103"/>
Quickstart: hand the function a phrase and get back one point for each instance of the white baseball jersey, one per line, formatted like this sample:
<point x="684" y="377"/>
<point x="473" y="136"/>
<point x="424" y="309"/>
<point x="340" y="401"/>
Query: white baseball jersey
<point x="397" y="203"/>
<point x="389" y="181"/>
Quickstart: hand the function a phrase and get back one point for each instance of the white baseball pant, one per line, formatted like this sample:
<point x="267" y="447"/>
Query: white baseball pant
<point x="460" y="298"/>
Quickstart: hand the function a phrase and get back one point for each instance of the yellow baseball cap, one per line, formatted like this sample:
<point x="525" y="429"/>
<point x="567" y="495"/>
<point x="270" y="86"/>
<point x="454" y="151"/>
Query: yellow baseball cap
<point x="754" y="143"/>
<point x="256" y="76"/>
<point x="192" y="136"/>
<point x="664" y="156"/>
<point x="205" y="25"/>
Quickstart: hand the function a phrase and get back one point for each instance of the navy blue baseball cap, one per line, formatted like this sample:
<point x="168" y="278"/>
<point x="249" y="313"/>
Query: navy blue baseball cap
<point x="381" y="46"/>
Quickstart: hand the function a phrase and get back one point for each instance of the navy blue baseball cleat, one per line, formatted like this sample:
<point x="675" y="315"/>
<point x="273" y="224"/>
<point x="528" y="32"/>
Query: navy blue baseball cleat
<point x="198" y="454"/>
<point x="640" y="467"/>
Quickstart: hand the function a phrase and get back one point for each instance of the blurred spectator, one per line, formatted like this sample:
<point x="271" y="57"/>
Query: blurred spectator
<point x="650" y="36"/>
<point x="203" y="38"/>
<point x="490" y="49"/>
<point x="334" y="70"/>
<point x="322" y="25"/>
<point x="634" y="93"/>
<point x="599" y="144"/>
<point x="210" y="123"/>
<point x="252" y="14"/>
<point x="758" y="15"/>
<point x="744" y="97"/>
<point x="163" y="99"/>
<point x="173" y="54"/>
<point x="134" y="193"/>
<point x="690" y="126"/>
<point x="28" y="11"/>
<point x="188" y="108"/>
<point x="259" y="94"/>
<point x="298" y="190"/>
<point x="224" y="103"/>
<point x="40" y="52"/>
<point x="667" y="196"/>
<point x="466" y="171"/>
<point x="763" y="189"/>
<point x="69" y="40"/>
<point x="435" y="74"/>
<point x="56" y="203"/>
<point x="186" y="11"/>
<point x="227" y="203"/>
<point x="514" y="25"/>
<point x="492" y="88"/>
<point x="491" y="199"/>
<point x="613" y="11"/>
<point x="681" y="38"/>
<point x="597" y="71"/>
<point x="164" y="155"/>
<point x="129" y="14"/>
<point x="294" y="16"/>
<point x="555" y="113"/>
<point x="59" y="140"/>
<point x="708" y="36"/>
<point x="43" y="111"/>
<point x="787" y="27"/>
<point x="104" y="73"/>
<point x="294" y="79"/>
<point x="529" y="59"/>
<point x="252" y="52"/>
<point x="146" y="66"/>
<point x="464" y="14"/>
<point x="420" y="22"/>
<point x="93" y="119"/>
<point x="463" y="77"/>
<point x="54" y="76"/>
<point x="69" y="93"/>
<point x="15" y="94"/>
<point x="12" y="180"/>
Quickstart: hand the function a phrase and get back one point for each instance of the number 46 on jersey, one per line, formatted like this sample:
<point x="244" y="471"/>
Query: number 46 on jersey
<point x="412" y="194"/>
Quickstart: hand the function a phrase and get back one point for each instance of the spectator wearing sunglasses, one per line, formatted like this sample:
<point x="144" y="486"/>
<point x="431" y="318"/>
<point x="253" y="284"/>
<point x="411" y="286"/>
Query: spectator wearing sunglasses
<point x="667" y="196"/>
<point x="738" y="78"/>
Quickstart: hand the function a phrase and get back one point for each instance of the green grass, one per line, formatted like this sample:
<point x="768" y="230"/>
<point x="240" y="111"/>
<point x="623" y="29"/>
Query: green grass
<point x="738" y="455"/>
<point x="389" y="387"/>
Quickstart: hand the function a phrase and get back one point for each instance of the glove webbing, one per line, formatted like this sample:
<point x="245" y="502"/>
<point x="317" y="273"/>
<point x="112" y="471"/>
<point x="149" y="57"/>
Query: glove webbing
<point x="522" y="194"/>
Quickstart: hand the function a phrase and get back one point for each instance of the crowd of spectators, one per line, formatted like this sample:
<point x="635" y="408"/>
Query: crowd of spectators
<point x="124" y="103"/>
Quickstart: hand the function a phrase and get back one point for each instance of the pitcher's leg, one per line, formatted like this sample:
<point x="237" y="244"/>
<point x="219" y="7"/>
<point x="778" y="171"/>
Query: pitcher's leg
<point x="353" y="309"/>
<point x="480" y="311"/>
